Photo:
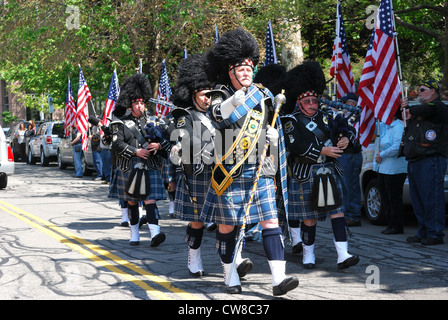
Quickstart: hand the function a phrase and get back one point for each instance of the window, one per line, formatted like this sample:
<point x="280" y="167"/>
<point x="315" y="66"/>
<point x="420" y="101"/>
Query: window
<point x="5" y="96"/>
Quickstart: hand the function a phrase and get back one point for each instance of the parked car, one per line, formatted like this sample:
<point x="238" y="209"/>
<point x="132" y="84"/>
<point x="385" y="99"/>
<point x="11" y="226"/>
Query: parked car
<point x="6" y="160"/>
<point x="372" y="204"/>
<point x="65" y="157"/>
<point x="44" y="144"/>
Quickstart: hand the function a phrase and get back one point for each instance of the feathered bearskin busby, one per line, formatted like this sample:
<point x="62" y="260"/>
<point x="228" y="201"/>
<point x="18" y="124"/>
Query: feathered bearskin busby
<point x="135" y="87"/>
<point x="273" y="77"/>
<point x="306" y="79"/>
<point x="191" y="78"/>
<point x="234" y="48"/>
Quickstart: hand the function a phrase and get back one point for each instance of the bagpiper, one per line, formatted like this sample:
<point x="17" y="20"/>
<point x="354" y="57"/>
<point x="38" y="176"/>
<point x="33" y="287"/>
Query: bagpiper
<point x="192" y="152"/>
<point x="138" y="158"/>
<point x="314" y="188"/>
<point x="241" y="122"/>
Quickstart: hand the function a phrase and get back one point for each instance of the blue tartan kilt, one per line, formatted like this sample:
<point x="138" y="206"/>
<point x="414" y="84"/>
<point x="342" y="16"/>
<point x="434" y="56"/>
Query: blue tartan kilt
<point x="120" y="178"/>
<point x="198" y="185"/>
<point x="299" y="195"/>
<point x="169" y="173"/>
<point x="230" y="207"/>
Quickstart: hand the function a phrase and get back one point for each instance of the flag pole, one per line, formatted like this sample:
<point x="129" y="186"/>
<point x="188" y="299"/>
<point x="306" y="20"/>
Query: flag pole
<point x="400" y="76"/>
<point x="336" y="59"/>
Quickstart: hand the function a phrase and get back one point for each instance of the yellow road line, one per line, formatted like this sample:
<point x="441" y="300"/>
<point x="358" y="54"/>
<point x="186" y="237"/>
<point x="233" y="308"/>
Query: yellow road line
<point x="53" y="230"/>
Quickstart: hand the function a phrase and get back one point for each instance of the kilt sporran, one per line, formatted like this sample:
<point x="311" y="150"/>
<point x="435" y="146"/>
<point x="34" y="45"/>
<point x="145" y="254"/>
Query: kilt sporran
<point x="138" y="184"/>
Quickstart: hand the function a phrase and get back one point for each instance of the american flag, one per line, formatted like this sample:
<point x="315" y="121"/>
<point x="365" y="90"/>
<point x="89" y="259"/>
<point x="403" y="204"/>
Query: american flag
<point x="164" y="92"/>
<point x="366" y="127"/>
<point x="82" y="113"/>
<point x="381" y="88"/>
<point x="270" y="56"/>
<point x="70" y="110"/>
<point x="112" y="97"/>
<point x="340" y="63"/>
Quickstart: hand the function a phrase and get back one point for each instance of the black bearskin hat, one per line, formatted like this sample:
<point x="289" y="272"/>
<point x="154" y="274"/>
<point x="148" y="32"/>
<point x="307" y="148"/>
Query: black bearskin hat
<point x="273" y="77"/>
<point x="135" y="87"/>
<point x="232" y="49"/>
<point x="191" y="78"/>
<point x="303" y="80"/>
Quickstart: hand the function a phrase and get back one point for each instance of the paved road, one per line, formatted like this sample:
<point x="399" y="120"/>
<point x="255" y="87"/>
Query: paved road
<point x="60" y="239"/>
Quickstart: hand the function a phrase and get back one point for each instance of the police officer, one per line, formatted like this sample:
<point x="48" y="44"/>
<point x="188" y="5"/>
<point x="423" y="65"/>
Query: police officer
<point x="425" y="146"/>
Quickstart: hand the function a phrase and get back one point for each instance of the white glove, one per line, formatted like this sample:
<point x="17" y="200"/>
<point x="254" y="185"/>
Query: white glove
<point x="272" y="135"/>
<point x="229" y="105"/>
<point x="175" y="154"/>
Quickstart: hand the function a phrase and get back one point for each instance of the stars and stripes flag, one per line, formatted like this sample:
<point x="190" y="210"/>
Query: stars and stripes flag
<point x="112" y="97"/>
<point x="366" y="126"/>
<point x="270" y="56"/>
<point x="381" y="79"/>
<point x="341" y="68"/>
<point x="70" y="110"/>
<point x="82" y="113"/>
<point x="164" y="92"/>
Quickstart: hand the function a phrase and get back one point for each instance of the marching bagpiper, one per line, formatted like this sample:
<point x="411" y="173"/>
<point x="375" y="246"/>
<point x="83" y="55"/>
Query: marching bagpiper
<point x="137" y="177"/>
<point x="314" y="189"/>
<point x="192" y="152"/>
<point x="242" y="123"/>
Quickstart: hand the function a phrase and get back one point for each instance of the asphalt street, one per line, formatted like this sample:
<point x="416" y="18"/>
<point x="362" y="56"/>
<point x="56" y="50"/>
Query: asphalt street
<point x="60" y="239"/>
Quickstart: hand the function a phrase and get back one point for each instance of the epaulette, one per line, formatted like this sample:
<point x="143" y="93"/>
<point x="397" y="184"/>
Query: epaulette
<point x="179" y="112"/>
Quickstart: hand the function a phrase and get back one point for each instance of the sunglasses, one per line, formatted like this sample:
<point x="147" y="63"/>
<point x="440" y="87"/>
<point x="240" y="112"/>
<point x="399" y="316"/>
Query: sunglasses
<point x="423" y="89"/>
<point x="309" y="101"/>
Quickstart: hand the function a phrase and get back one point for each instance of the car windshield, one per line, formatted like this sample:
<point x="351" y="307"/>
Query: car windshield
<point x="58" y="128"/>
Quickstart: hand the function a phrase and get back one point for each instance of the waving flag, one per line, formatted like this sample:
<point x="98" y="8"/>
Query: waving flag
<point x="379" y="88"/>
<point x="386" y="85"/>
<point x="340" y="63"/>
<point x="270" y="56"/>
<point x="365" y="92"/>
<point x="70" y="110"/>
<point x="164" y="92"/>
<point x="112" y="97"/>
<point x="82" y="113"/>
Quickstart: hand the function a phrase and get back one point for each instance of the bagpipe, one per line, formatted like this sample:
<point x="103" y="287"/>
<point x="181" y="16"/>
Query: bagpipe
<point x="337" y="122"/>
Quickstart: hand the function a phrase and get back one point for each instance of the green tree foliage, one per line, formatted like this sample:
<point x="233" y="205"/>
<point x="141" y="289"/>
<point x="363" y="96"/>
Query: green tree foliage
<point x="44" y="41"/>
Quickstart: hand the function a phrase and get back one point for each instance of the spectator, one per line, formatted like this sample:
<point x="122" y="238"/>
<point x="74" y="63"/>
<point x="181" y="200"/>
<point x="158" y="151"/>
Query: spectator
<point x="21" y="141"/>
<point x="391" y="173"/>
<point x="351" y="162"/>
<point x="33" y="125"/>
<point x="76" y="143"/>
<point x="425" y="146"/>
<point x="95" y="138"/>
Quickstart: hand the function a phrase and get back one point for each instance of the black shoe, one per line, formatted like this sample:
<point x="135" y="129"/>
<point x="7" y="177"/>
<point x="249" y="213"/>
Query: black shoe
<point x="431" y="241"/>
<point x="297" y="249"/>
<point x="309" y="266"/>
<point x="197" y="274"/>
<point x="392" y="231"/>
<point x="157" y="240"/>
<point x="124" y="224"/>
<point x="352" y="223"/>
<point x="134" y="243"/>
<point x="233" y="290"/>
<point x="142" y="221"/>
<point x="413" y="239"/>
<point x="245" y="266"/>
<point x="286" y="285"/>
<point x="350" y="262"/>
